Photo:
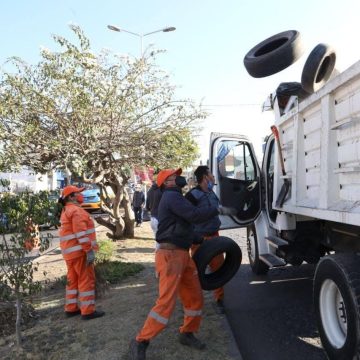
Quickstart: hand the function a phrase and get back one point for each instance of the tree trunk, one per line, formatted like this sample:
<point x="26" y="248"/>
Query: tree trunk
<point x="18" y="319"/>
<point x="120" y="223"/>
<point x="129" y="217"/>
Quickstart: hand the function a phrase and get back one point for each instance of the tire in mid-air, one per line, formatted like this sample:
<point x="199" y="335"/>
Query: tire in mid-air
<point x="207" y="251"/>
<point x="274" y="54"/>
<point x="318" y="68"/>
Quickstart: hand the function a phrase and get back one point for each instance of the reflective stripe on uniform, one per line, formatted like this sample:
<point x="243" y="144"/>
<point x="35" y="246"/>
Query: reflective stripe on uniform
<point x="72" y="249"/>
<point x="93" y="243"/>
<point x="158" y="317"/>
<point x="87" y="293"/>
<point x="86" y="232"/>
<point x="83" y="240"/>
<point x="77" y="235"/>
<point x="71" y="292"/>
<point x="67" y="237"/>
<point x="189" y="312"/>
<point x="87" y="302"/>
<point x="71" y="301"/>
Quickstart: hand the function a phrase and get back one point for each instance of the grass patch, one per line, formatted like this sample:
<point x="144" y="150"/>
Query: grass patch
<point x="115" y="271"/>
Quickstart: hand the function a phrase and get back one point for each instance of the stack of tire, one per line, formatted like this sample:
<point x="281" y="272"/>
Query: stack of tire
<point x="279" y="51"/>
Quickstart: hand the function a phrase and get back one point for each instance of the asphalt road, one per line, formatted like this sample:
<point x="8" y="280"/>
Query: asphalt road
<point x="272" y="316"/>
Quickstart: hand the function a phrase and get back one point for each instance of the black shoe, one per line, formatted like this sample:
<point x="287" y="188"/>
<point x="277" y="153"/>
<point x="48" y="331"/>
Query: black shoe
<point x="189" y="339"/>
<point x="137" y="349"/>
<point x="219" y="307"/>
<point x="94" y="315"/>
<point x="70" y="314"/>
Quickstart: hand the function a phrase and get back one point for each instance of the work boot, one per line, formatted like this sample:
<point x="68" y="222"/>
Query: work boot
<point x="70" y="314"/>
<point x="189" y="339"/>
<point x="219" y="306"/>
<point x="137" y="349"/>
<point x="94" y="315"/>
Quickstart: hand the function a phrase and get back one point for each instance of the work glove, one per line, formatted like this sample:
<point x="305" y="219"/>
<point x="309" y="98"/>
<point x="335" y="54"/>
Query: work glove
<point x="90" y="257"/>
<point x="224" y="210"/>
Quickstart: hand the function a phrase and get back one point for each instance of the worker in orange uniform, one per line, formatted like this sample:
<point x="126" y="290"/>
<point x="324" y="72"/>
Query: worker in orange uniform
<point x="201" y="196"/>
<point x="78" y="246"/>
<point x="177" y="271"/>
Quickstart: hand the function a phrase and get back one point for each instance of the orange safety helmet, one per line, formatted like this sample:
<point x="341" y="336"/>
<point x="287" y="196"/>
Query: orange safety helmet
<point x="164" y="174"/>
<point x="70" y="189"/>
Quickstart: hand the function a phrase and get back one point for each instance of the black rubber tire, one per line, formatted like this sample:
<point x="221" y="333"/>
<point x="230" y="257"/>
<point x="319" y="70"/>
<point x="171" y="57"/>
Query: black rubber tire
<point x="274" y="54"/>
<point x="318" y="68"/>
<point x="343" y="270"/>
<point x="258" y="267"/>
<point x="207" y="251"/>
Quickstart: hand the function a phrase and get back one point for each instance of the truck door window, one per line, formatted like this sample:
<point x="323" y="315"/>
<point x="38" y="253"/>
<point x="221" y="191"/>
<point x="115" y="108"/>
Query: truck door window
<point x="237" y="178"/>
<point x="235" y="161"/>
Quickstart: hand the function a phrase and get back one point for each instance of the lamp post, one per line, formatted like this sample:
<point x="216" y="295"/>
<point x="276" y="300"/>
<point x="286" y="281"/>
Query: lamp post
<point x="140" y="36"/>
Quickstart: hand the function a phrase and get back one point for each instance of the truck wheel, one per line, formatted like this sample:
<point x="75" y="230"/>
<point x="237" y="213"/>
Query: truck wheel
<point x="337" y="305"/>
<point x="274" y="54"/>
<point x="318" y="68"/>
<point x="257" y="266"/>
<point x="207" y="251"/>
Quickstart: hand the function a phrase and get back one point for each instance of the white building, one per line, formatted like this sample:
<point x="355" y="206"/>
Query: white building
<point x="26" y="179"/>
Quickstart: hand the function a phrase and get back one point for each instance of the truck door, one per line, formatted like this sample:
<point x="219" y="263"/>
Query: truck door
<point x="237" y="175"/>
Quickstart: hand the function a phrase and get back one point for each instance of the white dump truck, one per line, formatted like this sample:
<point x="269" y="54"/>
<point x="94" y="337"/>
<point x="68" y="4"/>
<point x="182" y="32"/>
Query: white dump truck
<point x="303" y="203"/>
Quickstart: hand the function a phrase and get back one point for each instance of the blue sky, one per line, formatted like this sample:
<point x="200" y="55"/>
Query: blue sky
<point x="205" y="53"/>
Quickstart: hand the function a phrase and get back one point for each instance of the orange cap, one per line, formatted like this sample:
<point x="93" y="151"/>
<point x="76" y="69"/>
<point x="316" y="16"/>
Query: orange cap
<point x="67" y="190"/>
<point x="164" y="174"/>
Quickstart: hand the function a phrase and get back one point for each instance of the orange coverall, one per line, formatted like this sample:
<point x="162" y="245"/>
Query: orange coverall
<point x="77" y="237"/>
<point x="177" y="277"/>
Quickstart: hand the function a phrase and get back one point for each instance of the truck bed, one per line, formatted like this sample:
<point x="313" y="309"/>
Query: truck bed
<point x="320" y="138"/>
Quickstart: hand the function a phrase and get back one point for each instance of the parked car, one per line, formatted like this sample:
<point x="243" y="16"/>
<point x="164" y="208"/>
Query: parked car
<point x="92" y="200"/>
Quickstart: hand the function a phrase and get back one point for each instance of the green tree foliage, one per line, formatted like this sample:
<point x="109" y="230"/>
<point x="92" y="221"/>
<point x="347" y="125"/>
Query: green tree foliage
<point x="19" y="216"/>
<point x="96" y="115"/>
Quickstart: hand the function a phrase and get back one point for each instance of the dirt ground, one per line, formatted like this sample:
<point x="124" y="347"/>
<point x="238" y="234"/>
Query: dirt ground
<point x="126" y="305"/>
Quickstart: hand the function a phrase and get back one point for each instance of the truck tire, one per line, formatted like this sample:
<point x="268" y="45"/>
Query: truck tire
<point x="318" y="68"/>
<point x="337" y="305"/>
<point x="257" y="266"/>
<point x="207" y="251"/>
<point x="274" y="54"/>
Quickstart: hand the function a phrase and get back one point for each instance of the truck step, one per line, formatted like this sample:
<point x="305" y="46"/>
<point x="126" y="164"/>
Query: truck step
<point x="276" y="241"/>
<point x="272" y="260"/>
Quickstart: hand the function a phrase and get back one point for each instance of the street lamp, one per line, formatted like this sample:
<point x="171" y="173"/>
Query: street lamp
<point x="115" y="28"/>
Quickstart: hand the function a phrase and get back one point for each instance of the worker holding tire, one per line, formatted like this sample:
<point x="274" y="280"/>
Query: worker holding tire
<point x="78" y="246"/>
<point x="176" y="269"/>
<point x="202" y="196"/>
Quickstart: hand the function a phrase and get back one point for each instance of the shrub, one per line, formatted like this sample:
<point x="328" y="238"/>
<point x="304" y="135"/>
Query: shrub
<point x="106" y="250"/>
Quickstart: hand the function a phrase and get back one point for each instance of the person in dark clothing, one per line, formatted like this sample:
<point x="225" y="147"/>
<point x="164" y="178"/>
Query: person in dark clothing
<point x="176" y="269"/>
<point x="203" y="196"/>
<point x="152" y="203"/>
<point x="138" y="204"/>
